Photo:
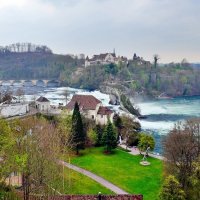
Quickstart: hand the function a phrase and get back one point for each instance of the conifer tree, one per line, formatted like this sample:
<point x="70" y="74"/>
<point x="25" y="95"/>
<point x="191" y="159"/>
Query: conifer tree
<point x="78" y="135"/>
<point x="109" y="139"/>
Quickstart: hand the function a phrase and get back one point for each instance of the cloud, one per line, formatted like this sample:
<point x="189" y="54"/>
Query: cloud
<point x="169" y="28"/>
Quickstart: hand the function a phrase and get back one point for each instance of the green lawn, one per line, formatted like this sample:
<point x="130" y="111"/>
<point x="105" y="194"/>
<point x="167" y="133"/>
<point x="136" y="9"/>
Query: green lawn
<point x="124" y="170"/>
<point x="76" y="183"/>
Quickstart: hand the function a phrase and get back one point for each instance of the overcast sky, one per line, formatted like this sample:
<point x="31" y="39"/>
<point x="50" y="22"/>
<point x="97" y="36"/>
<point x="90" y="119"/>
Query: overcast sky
<point x="170" y="28"/>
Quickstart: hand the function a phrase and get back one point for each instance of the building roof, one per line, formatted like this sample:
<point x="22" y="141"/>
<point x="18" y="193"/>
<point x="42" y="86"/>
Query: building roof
<point x="104" y="111"/>
<point x="42" y="99"/>
<point x="101" y="56"/>
<point x="85" y="102"/>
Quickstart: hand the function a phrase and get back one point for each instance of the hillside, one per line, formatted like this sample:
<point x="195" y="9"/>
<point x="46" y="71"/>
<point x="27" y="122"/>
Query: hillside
<point x="141" y="80"/>
<point x="135" y="78"/>
<point x="28" y="61"/>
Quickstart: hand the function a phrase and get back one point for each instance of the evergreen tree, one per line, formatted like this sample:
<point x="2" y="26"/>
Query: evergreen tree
<point x="171" y="190"/>
<point x="118" y="124"/>
<point x="78" y="135"/>
<point x="109" y="139"/>
<point x="99" y="132"/>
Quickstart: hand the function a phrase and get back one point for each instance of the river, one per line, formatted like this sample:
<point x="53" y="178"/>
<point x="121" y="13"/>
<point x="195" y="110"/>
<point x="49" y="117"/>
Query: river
<point x="161" y="114"/>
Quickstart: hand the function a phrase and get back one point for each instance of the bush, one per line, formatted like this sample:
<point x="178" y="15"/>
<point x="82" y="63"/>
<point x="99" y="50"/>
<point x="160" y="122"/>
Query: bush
<point x="171" y="190"/>
<point x="133" y="139"/>
<point x="145" y="141"/>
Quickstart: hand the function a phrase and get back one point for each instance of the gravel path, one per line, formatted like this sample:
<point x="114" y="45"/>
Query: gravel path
<point x="98" y="179"/>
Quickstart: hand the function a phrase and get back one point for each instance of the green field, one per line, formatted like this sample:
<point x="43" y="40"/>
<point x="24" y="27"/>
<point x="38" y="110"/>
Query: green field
<point x="123" y="170"/>
<point x="76" y="183"/>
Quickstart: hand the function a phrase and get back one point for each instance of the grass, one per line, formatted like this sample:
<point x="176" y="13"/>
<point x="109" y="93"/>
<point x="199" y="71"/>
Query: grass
<point x="124" y="170"/>
<point x="76" y="183"/>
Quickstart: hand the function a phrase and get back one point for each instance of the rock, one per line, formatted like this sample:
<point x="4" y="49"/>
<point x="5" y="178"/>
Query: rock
<point x="114" y="100"/>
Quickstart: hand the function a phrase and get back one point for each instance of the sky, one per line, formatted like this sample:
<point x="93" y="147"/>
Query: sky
<point x="169" y="28"/>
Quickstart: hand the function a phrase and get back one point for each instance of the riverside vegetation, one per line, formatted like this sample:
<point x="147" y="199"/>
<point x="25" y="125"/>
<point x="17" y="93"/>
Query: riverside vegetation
<point x="133" y="78"/>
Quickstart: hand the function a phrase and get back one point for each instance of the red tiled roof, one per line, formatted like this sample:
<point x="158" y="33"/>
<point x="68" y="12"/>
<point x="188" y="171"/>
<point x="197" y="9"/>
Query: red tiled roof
<point x="42" y="99"/>
<point x="104" y="111"/>
<point x="85" y="102"/>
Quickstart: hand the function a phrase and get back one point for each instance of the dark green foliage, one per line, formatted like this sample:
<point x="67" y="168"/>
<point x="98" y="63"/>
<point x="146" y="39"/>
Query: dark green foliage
<point x="111" y="69"/>
<point x="99" y="131"/>
<point x="128" y="105"/>
<point x="171" y="190"/>
<point x="118" y="124"/>
<point x="78" y="135"/>
<point x="109" y="138"/>
<point x="133" y="139"/>
<point x="6" y="193"/>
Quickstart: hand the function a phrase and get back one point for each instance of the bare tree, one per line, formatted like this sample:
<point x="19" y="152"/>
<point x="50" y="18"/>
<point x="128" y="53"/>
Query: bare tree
<point x="39" y="144"/>
<point x="156" y="58"/>
<point x="181" y="149"/>
<point x="20" y="94"/>
<point x="6" y="96"/>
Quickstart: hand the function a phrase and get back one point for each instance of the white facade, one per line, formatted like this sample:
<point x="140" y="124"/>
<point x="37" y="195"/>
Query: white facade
<point x="103" y="119"/>
<point x="109" y="58"/>
<point x="11" y="110"/>
<point x="43" y="106"/>
<point x="91" y="114"/>
<point x="101" y="59"/>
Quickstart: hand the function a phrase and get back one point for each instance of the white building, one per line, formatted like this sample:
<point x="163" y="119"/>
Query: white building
<point x="81" y="56"/>
<point x="101" y="59"/>
<point x="91" y="108"/>
<point x="42" y="104"/>
<point x="10" y="110"/>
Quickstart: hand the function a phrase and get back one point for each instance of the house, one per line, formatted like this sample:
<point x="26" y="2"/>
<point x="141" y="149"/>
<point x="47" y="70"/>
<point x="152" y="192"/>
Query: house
<point x="101" y="59"/>
<point x="14" y="179"/>
<point x="91" y="108"/>
<point x="42" y="104"/>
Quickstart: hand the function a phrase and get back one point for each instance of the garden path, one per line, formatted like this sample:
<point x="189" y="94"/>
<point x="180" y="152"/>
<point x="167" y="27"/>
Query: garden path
<point x="93" y="176"/>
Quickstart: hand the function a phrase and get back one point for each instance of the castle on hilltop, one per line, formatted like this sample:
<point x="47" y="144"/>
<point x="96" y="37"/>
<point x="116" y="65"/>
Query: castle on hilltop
<point x="108" y="58"/>
<point x="105" y="58"/>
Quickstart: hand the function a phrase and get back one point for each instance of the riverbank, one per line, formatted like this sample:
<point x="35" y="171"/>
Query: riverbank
<point x="161" y="113"/>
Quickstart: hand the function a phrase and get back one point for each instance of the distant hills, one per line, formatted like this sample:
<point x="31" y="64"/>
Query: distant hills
<point x="28" y="61"/>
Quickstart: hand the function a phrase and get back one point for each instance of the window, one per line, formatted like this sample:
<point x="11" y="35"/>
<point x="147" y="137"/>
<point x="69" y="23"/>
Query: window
<point x="92" y="116"/>
<point x="101" y="116"/>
